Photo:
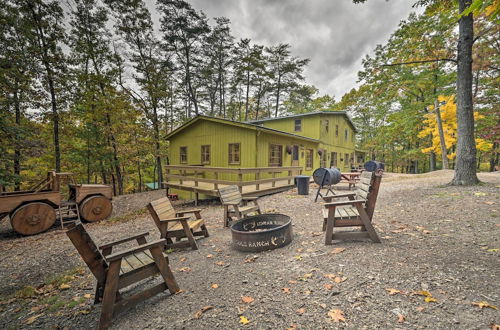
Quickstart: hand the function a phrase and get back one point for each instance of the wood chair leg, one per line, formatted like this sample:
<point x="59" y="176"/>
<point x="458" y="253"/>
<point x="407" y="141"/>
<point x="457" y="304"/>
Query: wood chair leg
<point x="329" y="233"/>
<point x="205" y="231"/>
<point x="367" y="224"/>
<point x="109" y="298"/>
<point x="226" y="216"/>
<point x="163" y="267"/>
<point x="189" y="235"/>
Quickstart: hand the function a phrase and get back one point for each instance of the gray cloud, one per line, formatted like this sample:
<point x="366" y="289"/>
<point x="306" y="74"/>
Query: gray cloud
<point x="334" y="34"/>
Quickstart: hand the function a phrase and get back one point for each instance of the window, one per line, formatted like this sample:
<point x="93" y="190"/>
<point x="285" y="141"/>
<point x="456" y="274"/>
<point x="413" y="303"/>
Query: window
<point x="234" y="153"/>
<point x="309" y="159"/>
<point x="333" y="161"/>
<point x="298" y="125"/>
<point x="322" y="158"/>
<point x="327" y="124"/>
<point x="346" y="159"/>
<point x="352" y="137"/>
<point x="337" y="130"/>
<point x="345" y="134"/>
<point x="295" y="152"/>
<point x="205" y="154"/>
<point x="275" y="154"/>
<point x="183" y="155"/>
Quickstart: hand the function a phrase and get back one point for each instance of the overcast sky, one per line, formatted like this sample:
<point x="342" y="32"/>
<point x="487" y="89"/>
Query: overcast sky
<point x="334" y="34"/>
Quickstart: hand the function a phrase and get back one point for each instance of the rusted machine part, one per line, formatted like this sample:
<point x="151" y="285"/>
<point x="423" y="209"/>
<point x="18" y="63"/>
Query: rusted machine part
<point x="262" y="232"/>
<point x="95" y="208"/>
<point x="33" y="218"/>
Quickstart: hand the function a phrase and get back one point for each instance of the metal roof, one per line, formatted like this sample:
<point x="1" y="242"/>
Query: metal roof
<point x="240" y="124"/>
<point x="344" y="113"/>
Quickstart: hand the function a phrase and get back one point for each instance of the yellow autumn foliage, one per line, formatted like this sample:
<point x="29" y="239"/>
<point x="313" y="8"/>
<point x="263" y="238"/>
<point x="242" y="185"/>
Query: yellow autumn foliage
<point x="449" y="121"/>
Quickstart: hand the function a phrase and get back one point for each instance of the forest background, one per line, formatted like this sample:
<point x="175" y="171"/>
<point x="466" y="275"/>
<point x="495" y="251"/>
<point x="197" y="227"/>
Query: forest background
<point x="93" y="88"/>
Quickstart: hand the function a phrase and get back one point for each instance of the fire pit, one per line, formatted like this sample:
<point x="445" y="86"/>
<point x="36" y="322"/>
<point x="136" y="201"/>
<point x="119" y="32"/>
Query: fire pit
<point x="262" y="232"/>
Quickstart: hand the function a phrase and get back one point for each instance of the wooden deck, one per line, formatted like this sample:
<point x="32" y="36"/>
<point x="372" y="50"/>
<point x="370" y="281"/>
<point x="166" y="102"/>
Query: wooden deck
<point x="195" y="179"/>
<point x="207" y="188"/>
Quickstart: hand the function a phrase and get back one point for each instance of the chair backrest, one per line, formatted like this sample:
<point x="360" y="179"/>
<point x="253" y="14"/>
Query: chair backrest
<point x="88" y="250"/>
<point x="230" y="195"/>
<point x="364" y="185"/>
<point x="368" y="188"/>
<point x="162" y="209"/>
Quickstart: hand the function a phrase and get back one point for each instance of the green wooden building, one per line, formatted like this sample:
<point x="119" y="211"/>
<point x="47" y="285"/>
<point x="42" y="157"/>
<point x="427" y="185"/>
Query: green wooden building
<point x="232" y="149"/>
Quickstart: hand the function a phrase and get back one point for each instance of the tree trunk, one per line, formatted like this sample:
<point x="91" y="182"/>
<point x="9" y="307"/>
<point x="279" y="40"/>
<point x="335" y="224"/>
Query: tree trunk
<point x="278" y="91"/>
<point x="465" y="165"/>
<point x="494" y="157"/>
<point x="444" y="154"/>
<point x="17" y="148"/>
<point x="247" y="96"/>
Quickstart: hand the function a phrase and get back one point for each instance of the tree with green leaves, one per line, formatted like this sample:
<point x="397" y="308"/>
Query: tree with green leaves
<point x="151" y="63"/>
<point x="184" y="31"/>
<point x="46" y="35"/>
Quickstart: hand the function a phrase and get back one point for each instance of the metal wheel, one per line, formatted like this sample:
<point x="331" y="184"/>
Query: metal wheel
<point x="33" y="218"/>
<point x="95" y="208"/>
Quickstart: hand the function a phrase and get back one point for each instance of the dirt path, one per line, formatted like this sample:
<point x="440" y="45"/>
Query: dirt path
<point x="439" y="239"/>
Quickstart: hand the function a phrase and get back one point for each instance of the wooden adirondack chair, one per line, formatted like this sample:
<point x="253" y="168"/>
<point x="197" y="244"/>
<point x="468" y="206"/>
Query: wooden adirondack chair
<point x="174" y="224"/>
<point x="236" y="205"/>
<point x="355" y="212"/>
<point x="119" y="270"/>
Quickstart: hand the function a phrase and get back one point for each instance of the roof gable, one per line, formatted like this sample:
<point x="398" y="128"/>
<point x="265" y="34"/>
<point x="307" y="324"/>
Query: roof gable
<point x="333" y="113"/>
<point x="235" y="123"/>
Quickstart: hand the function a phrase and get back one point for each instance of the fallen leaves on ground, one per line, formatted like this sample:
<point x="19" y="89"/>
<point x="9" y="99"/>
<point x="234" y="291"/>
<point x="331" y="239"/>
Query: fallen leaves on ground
<point x="484" y="304"/>
<point x="301" y="311"/>
<point x="430" y="299"/>
<point x="401" y="318"/>
<point x="247" y="299"/>
<point x="220" y="263"/>
<point x="64" y="286"/>
<point x="185" y="269"/>
<point x="337" y="250"/>
<point x="285" y="290"/>
<point x="183" y="259"/>
<point x="87" y="296"/>
<point x="423" y="293"/>
<point x="495" y="327"/>
<point x="336" y="315"/>
<point x="32" y="319"/>
<point x="392" y="291"/>
<point x="215" y="286"/>
<point x="292" y="282"/>
<point x="210" y="255"/>
<point x="328" y="286"/>
<point x="244" y="320"/>
<point x="251" y="259"/>
<point x="199" y="313"/>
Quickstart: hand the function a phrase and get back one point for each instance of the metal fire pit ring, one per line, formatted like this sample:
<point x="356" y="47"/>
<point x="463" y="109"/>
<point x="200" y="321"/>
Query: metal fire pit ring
<point x="262" y="232"/>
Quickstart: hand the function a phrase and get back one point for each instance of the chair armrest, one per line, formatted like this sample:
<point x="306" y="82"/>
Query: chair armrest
<point x="123" y="240"/>
<point x="250" y="198"/>
<point x="230" y="203"/>
<point x="140" y="248"/>
<point x="174" y="219"/>
<point x="343" y="203"/>
<point x="329" y="198"/>
<point x="181" y="213"/>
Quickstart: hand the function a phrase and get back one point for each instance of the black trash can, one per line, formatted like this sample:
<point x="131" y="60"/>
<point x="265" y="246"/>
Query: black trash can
<point x="302" y="182"/>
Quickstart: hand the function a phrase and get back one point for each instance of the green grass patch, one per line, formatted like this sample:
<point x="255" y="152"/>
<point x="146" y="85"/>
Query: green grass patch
<point x="25" y="293"/>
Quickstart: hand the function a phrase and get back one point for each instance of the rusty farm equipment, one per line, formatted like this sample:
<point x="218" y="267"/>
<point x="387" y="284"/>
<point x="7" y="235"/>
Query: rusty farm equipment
<point x="35" y="210"/>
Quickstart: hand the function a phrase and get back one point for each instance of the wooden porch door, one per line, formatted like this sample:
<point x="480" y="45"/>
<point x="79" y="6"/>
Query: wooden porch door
<point x="295" y="155"/>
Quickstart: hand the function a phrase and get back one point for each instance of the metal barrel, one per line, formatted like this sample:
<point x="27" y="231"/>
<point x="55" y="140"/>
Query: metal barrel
<point x="302" y="182"/>
<point x="332" y="175"/>
<point x="373" y="166"/>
